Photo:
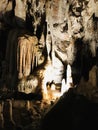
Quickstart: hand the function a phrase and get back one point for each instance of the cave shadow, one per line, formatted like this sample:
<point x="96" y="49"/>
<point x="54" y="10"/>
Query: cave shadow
<point x="72" y="112"/>
<point x="12" y="22"/>
<point x="84" y="61"/>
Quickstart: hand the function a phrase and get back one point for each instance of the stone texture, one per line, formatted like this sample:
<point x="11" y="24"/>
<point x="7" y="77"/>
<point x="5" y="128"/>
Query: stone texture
<point x="67" y="33"/>
<point x="20" y="12"/>
<point x="26" y="53"/>
<point x="28" y="85"/>
<point x="35" y="35"/>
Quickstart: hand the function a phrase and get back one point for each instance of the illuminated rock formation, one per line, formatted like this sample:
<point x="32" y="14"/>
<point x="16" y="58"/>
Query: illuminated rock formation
<point x="26" y="54"/>
<point x="68" y="83"/>
<point x="48" y="49"/>
<point x="66" y="33"/>
<point x="23" y="53"/>
<point x="20" y="12"/>
<point x="28" y="85"/>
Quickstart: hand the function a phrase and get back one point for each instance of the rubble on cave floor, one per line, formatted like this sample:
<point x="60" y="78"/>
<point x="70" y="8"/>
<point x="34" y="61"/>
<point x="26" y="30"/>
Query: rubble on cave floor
<point x="19" y="111"/>
<point x="22" y="114"/>
<point x="29" y="114"/>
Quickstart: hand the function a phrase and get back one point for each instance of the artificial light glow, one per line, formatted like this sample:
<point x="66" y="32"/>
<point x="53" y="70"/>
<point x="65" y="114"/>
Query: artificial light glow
<point x="48" y="76"/>
<point x="69" y="75"/>
<point x="68" y="84"/>
<point x="49" y="90"/>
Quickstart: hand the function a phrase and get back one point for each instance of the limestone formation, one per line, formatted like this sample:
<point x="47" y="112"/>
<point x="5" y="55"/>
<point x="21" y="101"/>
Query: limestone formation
<point x="61" y="31"/>
<point x="26" y="53"/>
<point x="1" y="115"/>
<point x="23" y="53"/>
<point x="20" y="12"/>
<point x="49" y="44"/>
<point x="28" y="85"/>
<point x="47" y="47"/>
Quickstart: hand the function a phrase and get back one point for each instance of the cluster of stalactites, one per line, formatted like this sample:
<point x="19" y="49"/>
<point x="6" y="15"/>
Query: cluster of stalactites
<point x="26" y="54"/>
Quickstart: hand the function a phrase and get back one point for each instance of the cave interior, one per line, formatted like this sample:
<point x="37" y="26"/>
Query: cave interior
<point x="48" y="64"/>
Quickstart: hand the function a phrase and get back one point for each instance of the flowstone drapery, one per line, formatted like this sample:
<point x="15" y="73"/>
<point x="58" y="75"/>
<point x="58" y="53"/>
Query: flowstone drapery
<point x="26" y="53"/>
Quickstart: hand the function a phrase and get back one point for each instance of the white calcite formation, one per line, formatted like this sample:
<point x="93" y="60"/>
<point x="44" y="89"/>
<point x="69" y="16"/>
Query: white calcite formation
<point x="23" y="53"/>
<point x="61" y="31"/>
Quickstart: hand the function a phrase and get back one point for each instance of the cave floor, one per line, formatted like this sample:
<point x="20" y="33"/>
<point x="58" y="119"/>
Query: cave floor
<point x="22" y="114"/>
<point x="19" y="111"/>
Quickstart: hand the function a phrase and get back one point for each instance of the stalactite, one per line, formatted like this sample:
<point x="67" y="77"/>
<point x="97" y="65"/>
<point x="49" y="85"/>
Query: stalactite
<point x="28" y="58"/>
<point x="36" y="22"/>
<point x="49" y="44"/>
<point x="90" y="32"/>
<point x="20" y="12"/>
<point x="33" y="57"/>
<point x="26" y="52"/>
<point x="41" y="47"/>
<point x="21" y="52"/>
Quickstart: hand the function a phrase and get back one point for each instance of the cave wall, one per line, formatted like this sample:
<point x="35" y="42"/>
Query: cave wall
<point x="66" y="30"/>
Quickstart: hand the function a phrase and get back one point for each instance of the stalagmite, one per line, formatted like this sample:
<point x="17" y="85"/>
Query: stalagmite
<point x="69" y="75"/>
<point x="1" y="115"/>
<point x="53" y="86"/>
<point x="69" y="82"/>
<point x="28" y="106"/>
<point x="63" y="87"/>
<point x="11" y="111"/>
